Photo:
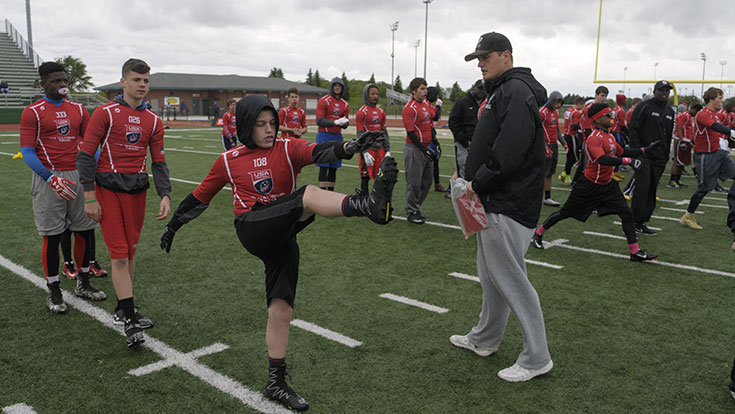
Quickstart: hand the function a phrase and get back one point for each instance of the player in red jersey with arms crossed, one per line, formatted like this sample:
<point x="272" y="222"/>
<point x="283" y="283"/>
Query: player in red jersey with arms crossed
<point x="292" y="119"/>
<point x="683" y="143"/>
<point x="229" y="131"/>
<point x="596" y="190"/>
<point x="550" y="123"/>
<point x="271" y="211"/>
<point x="115" y="188"/>
<point x="332" y="116"/>
<point x="710" y="160"/>
<point x="50" y="132"/>
<point x="370" y="117"/>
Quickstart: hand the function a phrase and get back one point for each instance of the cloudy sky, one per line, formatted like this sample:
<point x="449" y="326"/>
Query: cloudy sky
<point x="556" y="39"/>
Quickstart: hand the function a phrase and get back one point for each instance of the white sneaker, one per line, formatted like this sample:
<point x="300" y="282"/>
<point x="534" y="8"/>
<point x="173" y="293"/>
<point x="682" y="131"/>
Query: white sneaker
<point x="517" y="373"/>
<point x="550" y="202"/>
<point x="732" y="393"/>
<point x="461" y="341"/>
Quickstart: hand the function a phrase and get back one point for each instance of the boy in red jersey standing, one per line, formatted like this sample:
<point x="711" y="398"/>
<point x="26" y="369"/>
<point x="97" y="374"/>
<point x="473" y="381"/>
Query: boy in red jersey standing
<point x="550" y="124"/>
<point x="271" y="212"/>
<point x="332" y="116"/>
<point x="596" y="190"/>
<point x="229" y="132"/>
<point x="50" y="133"/>
<point x="115" y="187"/>
<point x="292" y="119"/>
<point x="370" y="117"/>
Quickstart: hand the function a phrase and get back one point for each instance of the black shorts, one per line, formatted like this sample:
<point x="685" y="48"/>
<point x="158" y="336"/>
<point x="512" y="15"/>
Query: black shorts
<point x="550" y="163"/>
<point x="269" y="232"/>
<point x="587" y="196"/>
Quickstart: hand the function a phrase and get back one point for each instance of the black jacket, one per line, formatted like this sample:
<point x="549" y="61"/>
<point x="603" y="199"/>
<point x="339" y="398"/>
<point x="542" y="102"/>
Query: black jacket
<point x="652" y="120"/>
<point x="505" y="162"/>
<point x="462" y="119"/>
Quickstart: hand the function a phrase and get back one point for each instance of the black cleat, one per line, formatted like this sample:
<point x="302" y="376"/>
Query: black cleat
<point x="681" y="185"/>
<point x="642" y="228"/>
<point x="642" y="256"/>
<point x="133" y="333"/>
<point x="277" y="390"/>
<point x="415" y="218"/>
<point x="55" y="300"/>
<point x="377" y="204"/>
<point x="145" y="322"/>
<point x="538" y="241"/>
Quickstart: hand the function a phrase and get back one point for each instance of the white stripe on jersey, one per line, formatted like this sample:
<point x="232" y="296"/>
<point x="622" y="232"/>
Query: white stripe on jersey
<point x="38" y="136"/>
<point x="290" y="164"/>
<point x="415" y="118"/>
<point x="232" y="181"/>
<point x="105" y="142"/>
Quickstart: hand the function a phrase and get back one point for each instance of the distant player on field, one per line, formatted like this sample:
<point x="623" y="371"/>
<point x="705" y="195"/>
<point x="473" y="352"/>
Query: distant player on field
<point x="271" y="211"/>
<point x="115" y="187"/>
<point x="332" y="116"/>
<point x="683" y="143"/>
<point x="573" y="137"/>
<point x="550" y="124"/>
<point x="51" y="130"/>
<point x="229" y="132"/>
<point x="370" y="117"/>
<point x="292" y="119"/>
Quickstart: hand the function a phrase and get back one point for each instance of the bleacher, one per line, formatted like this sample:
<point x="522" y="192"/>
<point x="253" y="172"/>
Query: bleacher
<point x="17" y="68"/>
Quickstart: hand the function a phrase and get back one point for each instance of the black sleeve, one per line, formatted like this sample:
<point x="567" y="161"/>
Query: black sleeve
<point x="324" y="122"/>
<point x="87" y="166"/>
<point x="718" y="127"/>
<point x="416" y="141"/>
<point x="161" y="178"/>
<point x="437" y="114"/>
<point x="632" y="152"/>
<point x="609" y="160"/>
<point x="386" y="140"/>
<point x="329" y="151"/>
<point x="188" y="210"/>
<point x="624" y="129"/>
<point x="455" y="124"/>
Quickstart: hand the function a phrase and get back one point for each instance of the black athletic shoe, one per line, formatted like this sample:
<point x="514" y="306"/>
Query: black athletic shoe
<point x="642" y="256"/>
<point x="538" y="241"/>
<point x="277" y="390"/>
<point x="55" y="300"/>
<point x="377" y="204"/>
<point x="672" y="184"/>
<point x="681" y="185"/>
<point x="642" y="228"/>
<point x="720" y="189"/>
<point x="144" y="321"/>
<point x="415" y="218"/>
<point x="684" y="171"/>
<point x="133" y="333"/>
<point x="732" y="389"/>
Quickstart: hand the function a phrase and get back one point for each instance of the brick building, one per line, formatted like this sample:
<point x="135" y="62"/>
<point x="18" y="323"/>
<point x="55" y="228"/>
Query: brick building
<point x="200" y="92"/>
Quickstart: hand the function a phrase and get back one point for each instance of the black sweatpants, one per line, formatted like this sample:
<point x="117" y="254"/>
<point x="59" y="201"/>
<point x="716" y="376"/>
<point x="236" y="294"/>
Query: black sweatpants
<point x="644" y="193"/>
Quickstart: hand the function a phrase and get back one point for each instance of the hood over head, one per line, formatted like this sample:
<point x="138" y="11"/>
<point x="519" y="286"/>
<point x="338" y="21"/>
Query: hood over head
<point x="365" y="93"/>
<point x="681" y="108"/>
<point x="554" y="97"/>
<point x="620" y="99"/>
<point x="525" y="76"/>
<point x="246" y="112"/>
<point x="432" y="93"/>
<point x="334" y="81"/>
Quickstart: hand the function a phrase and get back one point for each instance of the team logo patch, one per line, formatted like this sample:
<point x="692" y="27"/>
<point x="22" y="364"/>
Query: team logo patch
<point x="132" y="133"/>
<point x="262" y="181"/>
<point x="335" y="112"/>
<point x="376" y="120"/>
<point x="62" y="126"/>
<point x="295" y="119"/>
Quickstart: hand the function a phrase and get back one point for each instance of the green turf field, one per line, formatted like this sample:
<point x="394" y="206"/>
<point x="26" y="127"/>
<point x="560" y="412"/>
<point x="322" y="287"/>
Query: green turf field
<point x="624" y="337"/>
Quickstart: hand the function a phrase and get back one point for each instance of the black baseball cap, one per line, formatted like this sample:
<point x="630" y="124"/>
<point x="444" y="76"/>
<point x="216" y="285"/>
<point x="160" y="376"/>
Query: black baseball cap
<point x="490" y="42"/>
<point x="662" y="84"/>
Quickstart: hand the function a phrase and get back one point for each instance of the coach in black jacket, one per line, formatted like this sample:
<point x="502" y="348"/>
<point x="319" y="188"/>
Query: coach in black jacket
<point x="462" y="121"/>
<point x="652" y="120"/>
<point x="505" y="168"/>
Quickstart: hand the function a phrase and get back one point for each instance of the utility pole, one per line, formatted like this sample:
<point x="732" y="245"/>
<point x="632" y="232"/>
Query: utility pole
<point x="426" y="32"/>
<point x="416" y="58"/>
<point x="28" y="23"/>
<point x="704" y="60"/>
<point x="393" y="28"/>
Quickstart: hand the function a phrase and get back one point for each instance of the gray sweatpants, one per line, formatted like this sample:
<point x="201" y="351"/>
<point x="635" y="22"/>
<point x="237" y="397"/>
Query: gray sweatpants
<point x="419" y="176"/>
<point x="460" y="156"/>
<point x="501" y="248"/>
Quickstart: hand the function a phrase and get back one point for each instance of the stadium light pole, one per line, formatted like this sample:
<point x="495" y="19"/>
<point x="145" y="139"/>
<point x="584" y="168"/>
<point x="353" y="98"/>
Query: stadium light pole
<point x="416" y="57"/>
<point x="625" y="72"/>
<point x="426" y="32"/>
<point x="655" y="65"/>
<point x="393" y="28"/>
<point x="704" y="60"/>
<point x="28" y="22"/>
<point x="722" y="72"/>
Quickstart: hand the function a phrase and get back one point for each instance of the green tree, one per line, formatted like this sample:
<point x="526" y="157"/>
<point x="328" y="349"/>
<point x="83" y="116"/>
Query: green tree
<point x="372" y="78"/>
<point x="689" y="100"/>
<point x="456" y="92"/>
<point x="317" y="79"/>
<point x="570" y="98"/>
<point x="309" y="78"/>
<point x="397" y="85"/>
<point x="76" y="72"/>
<point x="346" y="89"/>
<point x="276" y="73"/>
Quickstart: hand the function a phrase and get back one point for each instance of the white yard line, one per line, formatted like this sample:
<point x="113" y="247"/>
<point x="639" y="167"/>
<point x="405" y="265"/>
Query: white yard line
<point x="253" y="399"/>
<point x="18" y="409"/>
<point x="465" y="276"/>
<point x="544" y="264"/>
<point x="650" y="227"/>
<point x="666" y="218"/>
<point x="680" y="210"/>
<point x="611" y="236"/>
<point x="326" y="333"/>
<point x="413" y="302"/>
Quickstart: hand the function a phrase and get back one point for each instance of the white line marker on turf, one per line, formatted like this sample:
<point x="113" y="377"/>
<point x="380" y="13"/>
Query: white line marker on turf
<point x="178" y="360"/>
<point x="650" y="227"/>
<point x="253" y="399"/>
<point x="666" y="218"/>
<point x="465" y="276"/>
<point x="611" y="236"/>
<point x="331" y="335"/>
<point x="680" y="210"/>
<point x="19" y="409"/>
<point x="544" y="264"/>
<point x="414" y="302"/>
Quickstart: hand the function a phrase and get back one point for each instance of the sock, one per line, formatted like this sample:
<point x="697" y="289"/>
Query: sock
<point x="276" y="362"/>
<point x="53" y="280"/>
<point x="83" y="277"/>
<point x="547" y="194"/>
<point x="325" y="188"/>
<point x="330" y="188"/>
<point x="347" y="209"/>
<point x="127" y="307"/>
<point x="364" y="184"/>
<point x="687" y="214"/>
<point x="540" y="230"/>
<point x="633" y="248"/>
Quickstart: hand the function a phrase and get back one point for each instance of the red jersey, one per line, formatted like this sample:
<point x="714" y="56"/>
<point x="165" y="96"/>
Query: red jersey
<point x="370" y="118"/>
<point x="55" y="131"/>
<point x="291" y="117"/>
<point x="584" y="120"/>
<point x="257" y="175"/>
<point x="332" y="109"/>
<point x="628" y="115"/>
<point x="618" y="115"/>
<point x="600" y="143"/>
<point x="124" y="135"/>
<point x="705" y="138"/>
<point x="684" y="121"/>
<point x="229" y="124"/>
<point x="730" y="120"/>
<point x="550" y="123"/>
<point x="417" y="117"/>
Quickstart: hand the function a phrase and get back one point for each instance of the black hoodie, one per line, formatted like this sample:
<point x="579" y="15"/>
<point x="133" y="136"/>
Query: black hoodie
<point x="246" y="112"/>
<point x="505" y="162"/>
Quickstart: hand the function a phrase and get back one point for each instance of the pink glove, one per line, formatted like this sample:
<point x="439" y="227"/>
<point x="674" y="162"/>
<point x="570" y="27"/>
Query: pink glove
<point x="62" y="187"/>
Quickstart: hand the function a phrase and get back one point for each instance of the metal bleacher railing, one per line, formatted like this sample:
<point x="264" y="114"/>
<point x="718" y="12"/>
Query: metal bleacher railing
<point x="22" y="44"/>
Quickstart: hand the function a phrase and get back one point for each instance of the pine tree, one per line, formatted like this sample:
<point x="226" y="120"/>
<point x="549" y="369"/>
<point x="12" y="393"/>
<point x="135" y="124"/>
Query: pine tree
<point x="309" y="78"/>
<point x="397" y="85"/>
<point x="372" y="78"/>
<point x="276" y="73"/>
<point x="317" y="79"/>
<point x="346" y="88"/>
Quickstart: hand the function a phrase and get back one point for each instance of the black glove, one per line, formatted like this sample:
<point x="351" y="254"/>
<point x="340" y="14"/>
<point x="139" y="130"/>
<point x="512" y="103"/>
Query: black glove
<point x="636" y="163"/>
<point x="167" y="238"/>
<point x="437" y="149"/>
<point x="363" y="142"/>
<point x="652" y="145"/>
<point x="429" y="154"/>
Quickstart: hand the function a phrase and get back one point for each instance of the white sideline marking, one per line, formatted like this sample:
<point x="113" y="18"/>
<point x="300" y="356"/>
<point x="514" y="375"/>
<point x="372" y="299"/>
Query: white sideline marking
<point x="650" y="227"/>
<point x="666" y="218"/>
<point x="189" y="148"/>
<point x="612" y="236"/>
<point x="219" y="381"/>
<point x="680" y="210"/>
<point x="9" y="143"/>
<point x="413" y="302"/>
<point x="544" y="264"/>
<point x="178" y="360"/>
<point x="434" y="223"/>
<point x="331" y="335"/>
<point x="9" y="135"/>
<point x="5" y="153"/>
<point x="19" y="409"/>
<point x="627" y="257"/>
<point x="465" y="276"/>
<point x="561" y="188"/>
